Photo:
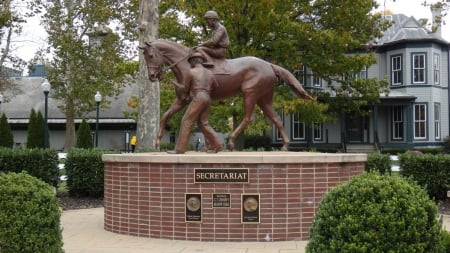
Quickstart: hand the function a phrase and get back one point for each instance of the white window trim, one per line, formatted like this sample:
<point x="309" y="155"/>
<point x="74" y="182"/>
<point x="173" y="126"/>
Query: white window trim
<point x="296" y="120"/>
<point x="424" y="69"/>
<point x="424" y="122"/>
<point x="393" y="71"/>
<point x="397" y="109"/>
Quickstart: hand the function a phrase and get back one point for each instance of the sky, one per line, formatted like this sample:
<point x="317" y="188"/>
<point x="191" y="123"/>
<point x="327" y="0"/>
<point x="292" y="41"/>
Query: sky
<point x="34" y="36"/>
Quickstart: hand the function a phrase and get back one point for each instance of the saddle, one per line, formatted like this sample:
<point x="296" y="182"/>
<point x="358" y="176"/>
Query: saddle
<point x="219" y="67"/>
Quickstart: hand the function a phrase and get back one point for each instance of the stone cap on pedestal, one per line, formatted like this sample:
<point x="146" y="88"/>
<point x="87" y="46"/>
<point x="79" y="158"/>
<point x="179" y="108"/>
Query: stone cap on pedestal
<point x="236" y="157"/>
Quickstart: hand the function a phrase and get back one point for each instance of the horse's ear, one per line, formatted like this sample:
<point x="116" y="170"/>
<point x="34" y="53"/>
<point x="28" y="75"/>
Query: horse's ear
<point x="148" y="44"/>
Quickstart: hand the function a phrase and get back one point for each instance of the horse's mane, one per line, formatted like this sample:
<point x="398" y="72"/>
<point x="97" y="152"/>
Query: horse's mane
<point x="170" y="47"/>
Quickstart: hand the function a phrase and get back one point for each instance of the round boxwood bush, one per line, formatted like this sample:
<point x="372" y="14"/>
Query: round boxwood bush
<point x="29" y="215"/>
<point x="376" y="213"/>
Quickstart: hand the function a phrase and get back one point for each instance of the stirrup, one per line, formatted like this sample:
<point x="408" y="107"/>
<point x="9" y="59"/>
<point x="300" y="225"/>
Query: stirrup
<point x="208" y="65"/>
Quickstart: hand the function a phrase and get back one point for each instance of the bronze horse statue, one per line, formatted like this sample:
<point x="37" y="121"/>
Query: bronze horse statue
<point x="251" y="76"/>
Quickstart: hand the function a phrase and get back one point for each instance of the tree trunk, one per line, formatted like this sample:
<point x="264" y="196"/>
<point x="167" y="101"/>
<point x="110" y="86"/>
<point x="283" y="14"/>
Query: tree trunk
<point x="148" y="110"/>
<point x="70" y="127"/>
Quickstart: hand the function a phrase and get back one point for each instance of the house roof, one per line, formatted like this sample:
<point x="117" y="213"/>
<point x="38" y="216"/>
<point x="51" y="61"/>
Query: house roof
<point x="405" y="29"/>
<point x="18" y="108"/>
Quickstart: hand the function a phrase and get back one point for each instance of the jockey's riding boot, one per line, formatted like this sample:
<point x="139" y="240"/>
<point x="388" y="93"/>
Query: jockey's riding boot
<point x="208" y="65"/>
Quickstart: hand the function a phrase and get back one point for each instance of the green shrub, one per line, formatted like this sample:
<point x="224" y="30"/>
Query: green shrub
<point x="430" y="171"/>
<point x="446" y="148"/>
<point x="84" y="168"/>
<point x="29" y="215"/>
<point x="378" y="162"/>
<point x="84" y="137"/>
<point x="36" y="128"/>
<point x="445" y="241"/>
<point x="376" y="213"/>
<point x="6" y="136"/>
<point x="257" y="142"/>
<point x="40" y="163"/>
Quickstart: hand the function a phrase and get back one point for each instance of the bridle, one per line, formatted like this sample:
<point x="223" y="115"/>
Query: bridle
<point x="158" y="64"/>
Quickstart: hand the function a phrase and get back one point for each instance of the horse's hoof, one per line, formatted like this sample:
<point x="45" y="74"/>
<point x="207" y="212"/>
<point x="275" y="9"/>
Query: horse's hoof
<point x="230" y="146"/>
<point x="284" y="148"/>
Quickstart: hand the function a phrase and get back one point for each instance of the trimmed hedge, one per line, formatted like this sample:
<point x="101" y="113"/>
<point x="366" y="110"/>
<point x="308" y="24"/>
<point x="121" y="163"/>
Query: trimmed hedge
<point x="376" y="213"/>
<point x="430" y="171"/>
<point x="29" y="215"/>
<point x="40" y="163"/>
<point x="84" y="169"/>
<point x="378" y="162"/>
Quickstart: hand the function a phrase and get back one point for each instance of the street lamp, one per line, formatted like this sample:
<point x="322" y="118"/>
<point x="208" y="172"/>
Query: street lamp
<point x="98" y="99"/>
<point x="1" y="101"/>
<point x="46" y="88"/>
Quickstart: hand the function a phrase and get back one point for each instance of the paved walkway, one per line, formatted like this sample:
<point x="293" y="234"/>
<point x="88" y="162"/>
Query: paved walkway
<point x="83" y="233"/>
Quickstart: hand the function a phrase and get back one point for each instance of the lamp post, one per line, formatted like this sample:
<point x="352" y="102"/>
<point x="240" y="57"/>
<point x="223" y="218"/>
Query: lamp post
<point x="98" y="99"/>
<point x="46" y="88"/>
<point x="1" y="101"/>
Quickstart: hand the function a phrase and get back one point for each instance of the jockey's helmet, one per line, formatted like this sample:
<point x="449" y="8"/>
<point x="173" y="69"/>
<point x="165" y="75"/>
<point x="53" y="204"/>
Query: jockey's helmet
<point x="212" y="15"/>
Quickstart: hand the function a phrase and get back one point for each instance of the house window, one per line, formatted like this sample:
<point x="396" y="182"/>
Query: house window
<point x="298" y="127"/>
<point x="362" y="74"/>
<point x="418" y="68"/>
<point x="420" y="121"/>
<point x="316" y="81"/>
<point x="397" y="123"/>
<point x="437" y="121"/>
<point x="317" y="128"/>
<point x="436" y="68"/>
<point x="396" y="70"/>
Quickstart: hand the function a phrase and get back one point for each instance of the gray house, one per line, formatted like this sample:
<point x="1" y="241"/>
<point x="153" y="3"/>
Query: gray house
<point x="414" y="114"/>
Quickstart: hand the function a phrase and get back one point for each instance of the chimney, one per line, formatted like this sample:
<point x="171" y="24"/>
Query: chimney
<point x="436" y="17"/>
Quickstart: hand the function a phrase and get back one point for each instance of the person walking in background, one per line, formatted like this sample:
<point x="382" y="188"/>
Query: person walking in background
<point x="133" y="143"/>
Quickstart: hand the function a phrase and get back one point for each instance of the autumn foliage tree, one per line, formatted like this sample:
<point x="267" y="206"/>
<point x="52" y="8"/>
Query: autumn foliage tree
<point x="329" y="37"/>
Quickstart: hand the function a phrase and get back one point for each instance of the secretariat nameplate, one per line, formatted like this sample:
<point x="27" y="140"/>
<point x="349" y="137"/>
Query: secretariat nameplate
<point x="221" y="175"/>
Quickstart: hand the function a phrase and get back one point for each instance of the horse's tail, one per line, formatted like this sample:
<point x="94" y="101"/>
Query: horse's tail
<point x="290" y="79"/>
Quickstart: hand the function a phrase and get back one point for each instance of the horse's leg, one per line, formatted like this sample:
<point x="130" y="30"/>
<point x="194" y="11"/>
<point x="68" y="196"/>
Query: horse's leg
<point x="174" y="108"/>
<point x="268" y="110"/>
<point x="249" y="107"/>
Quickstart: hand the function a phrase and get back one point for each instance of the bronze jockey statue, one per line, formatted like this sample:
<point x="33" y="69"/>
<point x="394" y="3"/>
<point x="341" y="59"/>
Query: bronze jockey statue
<point x="200" y="82"/>
<point x="217" y="46"/>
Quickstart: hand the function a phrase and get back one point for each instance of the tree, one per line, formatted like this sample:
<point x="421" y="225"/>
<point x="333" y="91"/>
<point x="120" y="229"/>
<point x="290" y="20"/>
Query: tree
<point x="87" y="55"/>
<point x="6" y="137"/>
<point x="31" y="132"/>
<point x="36" y="128"/>
<point x="149" y="94"/>
<point x="84" y="137"/>
<point x="12" y="17"/>
<point x="324" y="35"/>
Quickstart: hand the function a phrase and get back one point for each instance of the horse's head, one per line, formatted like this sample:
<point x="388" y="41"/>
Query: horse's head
<point x="154" y="60"/>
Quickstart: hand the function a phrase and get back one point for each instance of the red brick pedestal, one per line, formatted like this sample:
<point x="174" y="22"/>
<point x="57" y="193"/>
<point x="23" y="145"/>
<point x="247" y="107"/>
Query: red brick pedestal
<point x="145" y="193"/>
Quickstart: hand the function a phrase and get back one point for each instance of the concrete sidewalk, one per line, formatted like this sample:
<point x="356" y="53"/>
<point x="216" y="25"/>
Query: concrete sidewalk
<point x="83" y="233"/>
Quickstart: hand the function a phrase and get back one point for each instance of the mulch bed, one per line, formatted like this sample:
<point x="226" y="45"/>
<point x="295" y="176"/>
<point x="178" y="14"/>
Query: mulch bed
<point x="71" y="203"/>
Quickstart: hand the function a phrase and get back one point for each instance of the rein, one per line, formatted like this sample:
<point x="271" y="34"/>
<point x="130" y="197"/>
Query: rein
<point x="175" y="63"/>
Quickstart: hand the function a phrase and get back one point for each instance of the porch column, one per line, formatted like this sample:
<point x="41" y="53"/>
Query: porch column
<point x="409" y="123"/>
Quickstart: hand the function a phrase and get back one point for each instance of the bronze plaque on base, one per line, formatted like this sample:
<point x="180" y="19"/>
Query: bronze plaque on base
<point x="250" y="208"/>
<point x="193" y="210"/>
<point x="221" y="200"/>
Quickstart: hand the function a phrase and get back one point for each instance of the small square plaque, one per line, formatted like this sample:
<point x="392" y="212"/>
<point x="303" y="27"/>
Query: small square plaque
<point x="221" y="200"/>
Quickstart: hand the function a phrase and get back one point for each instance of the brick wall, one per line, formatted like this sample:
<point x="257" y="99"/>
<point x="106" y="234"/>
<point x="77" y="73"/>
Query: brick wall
<point x="145" y="194"/>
